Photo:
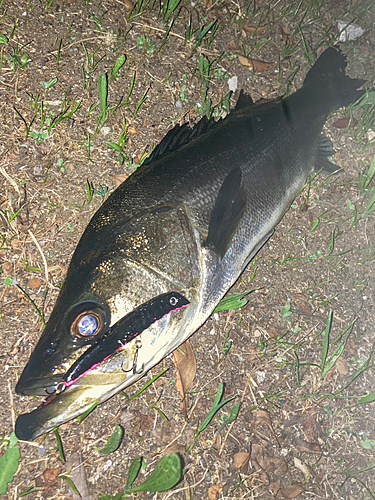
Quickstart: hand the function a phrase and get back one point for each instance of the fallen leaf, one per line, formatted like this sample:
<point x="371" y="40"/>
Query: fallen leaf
<point x="291" y="491"/>
<point x="233" y="45"/>
<point x="285" y="33"/>
<point x="131" y="130"/>
<point x="187" y="367"/>
<point x="263" y="418"/>
<point x="239" y="459"/>
<point x="301" y="466"/>
<point x="254" y="64"/>
<point x="342" y="122"/>
<point x="34" y="283"/>
<point x="309" y="425"/>
<point x="255" y="31"/>
<point x="214" y="491"/>
<point x="78" y="476"/>
<point x="342" y="366"/>
<point x="274" y="487"/>
<point x="128" y="4"/>
<point x="50" y="475"/>
<point x="118" y="179"/>
<point x="308" y="447"/>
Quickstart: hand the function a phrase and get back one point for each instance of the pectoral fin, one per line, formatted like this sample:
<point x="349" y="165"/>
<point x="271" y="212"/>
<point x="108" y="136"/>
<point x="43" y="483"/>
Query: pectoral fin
<point x="227" y="212"/>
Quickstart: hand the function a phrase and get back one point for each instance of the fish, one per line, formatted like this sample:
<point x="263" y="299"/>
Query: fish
<point x="169" y="242"/>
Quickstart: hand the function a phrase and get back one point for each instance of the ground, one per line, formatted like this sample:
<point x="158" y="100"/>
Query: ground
<point x="302" y="428"/>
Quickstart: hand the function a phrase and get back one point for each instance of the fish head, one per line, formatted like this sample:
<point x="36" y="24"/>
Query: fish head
<point x="102" y="287"/>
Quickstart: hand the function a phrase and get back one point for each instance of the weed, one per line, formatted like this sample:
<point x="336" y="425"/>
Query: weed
<point x="120" y="145"/>
<point x="144" y="42"/>
<point x="114" y="73"/>
<point x="49" y="84"/>
<point x="217" y="404"/>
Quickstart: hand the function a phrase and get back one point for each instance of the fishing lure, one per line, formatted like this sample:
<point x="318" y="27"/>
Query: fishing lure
<point x="121" y="333"/>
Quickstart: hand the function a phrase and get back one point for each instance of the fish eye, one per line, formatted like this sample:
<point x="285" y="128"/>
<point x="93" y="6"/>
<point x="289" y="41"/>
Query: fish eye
<point x="87" y="324"/>
<point x="173" y="301"/>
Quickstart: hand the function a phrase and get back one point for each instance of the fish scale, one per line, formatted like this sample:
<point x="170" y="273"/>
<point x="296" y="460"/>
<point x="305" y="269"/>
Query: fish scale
<point x="187" y="222"/>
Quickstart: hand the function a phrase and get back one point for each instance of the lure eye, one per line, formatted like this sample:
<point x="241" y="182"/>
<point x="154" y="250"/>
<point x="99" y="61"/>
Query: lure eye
<point x="173" y="301"/>
<point x="88" y="324"/>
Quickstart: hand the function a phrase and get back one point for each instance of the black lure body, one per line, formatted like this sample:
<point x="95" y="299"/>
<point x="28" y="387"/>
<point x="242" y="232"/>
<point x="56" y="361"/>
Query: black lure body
<point x="123" y="332"/>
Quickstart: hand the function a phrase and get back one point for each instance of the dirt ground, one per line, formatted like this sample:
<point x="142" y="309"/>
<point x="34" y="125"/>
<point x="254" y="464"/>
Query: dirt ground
<point x="297" y="433"/>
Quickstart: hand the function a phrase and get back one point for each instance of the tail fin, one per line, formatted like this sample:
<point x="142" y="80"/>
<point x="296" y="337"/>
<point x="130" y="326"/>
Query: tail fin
<point x="328" y="77"/>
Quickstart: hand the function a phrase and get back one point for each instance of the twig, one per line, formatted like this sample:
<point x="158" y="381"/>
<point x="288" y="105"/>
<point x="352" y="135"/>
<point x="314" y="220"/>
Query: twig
<point x="42" y="255"/>
<point x="12" y="413"/>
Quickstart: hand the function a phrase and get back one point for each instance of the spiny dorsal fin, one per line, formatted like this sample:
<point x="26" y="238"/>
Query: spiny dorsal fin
<point x="183" y="134"/>
<point x="179" y="136"/>
<point x="226" y="214"/>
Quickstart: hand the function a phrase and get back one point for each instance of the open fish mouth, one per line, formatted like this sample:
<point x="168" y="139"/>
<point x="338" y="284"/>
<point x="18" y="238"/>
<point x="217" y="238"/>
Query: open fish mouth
<point x="104" y="368"/>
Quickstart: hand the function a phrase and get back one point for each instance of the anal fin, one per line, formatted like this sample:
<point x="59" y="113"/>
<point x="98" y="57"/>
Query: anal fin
<point x="227" y="212"/>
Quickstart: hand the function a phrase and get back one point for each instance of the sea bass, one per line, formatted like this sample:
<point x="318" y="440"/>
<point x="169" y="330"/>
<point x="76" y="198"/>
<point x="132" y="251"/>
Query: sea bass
<point x="166" y="246"/>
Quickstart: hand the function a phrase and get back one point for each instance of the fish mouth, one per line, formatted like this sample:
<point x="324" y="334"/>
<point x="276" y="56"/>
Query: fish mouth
<point x="60" y="407"/>
<point x="37" y="387"/>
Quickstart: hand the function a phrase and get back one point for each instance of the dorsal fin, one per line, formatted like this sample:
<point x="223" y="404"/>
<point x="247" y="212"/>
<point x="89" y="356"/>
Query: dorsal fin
<point x="179" y="136"/>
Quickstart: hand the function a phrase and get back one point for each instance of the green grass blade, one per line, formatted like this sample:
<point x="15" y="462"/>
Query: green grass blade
<point x="59" y="444"/>
<point x="148" y="384"/>
<point x="103" y="95"/>
<point x="326" y="340"/>
<point x="82" y="417"/>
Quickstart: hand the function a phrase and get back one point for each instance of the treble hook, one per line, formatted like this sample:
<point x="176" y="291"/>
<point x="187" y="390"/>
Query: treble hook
<point x="138" y="345"/>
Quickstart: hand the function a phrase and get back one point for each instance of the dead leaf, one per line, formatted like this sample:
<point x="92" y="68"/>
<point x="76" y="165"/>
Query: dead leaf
<point x="34" y="283"/>
<point x="187" y="367"/>
<point x="309" y="425"/>
<point x="214" y="491"/>
<point x="285" y="33"/>
<point x="344" y="122"/>
<point x="342" y="366"/>
<point x="233" y="45"/>
<point x="118" y="179"/>
<point x="308" y="447"/>
<point x="255" y="31"/>
<point x="50" y="475"/>
<point x="239" y="459"/>
<point x="291" y="491"/>
<point x="129" y="4"/>
<point x="301" y="466"/>
<point x="131" y="130"/>
<point x="263" y="418"/>
<point x="274" y="487"/>
<point x="254" y="64"/>
<point x="78" y="476"/>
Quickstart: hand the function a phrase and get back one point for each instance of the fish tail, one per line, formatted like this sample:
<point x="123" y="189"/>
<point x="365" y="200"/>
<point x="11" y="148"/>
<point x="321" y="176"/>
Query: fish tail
<point x="328" y="79"/>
